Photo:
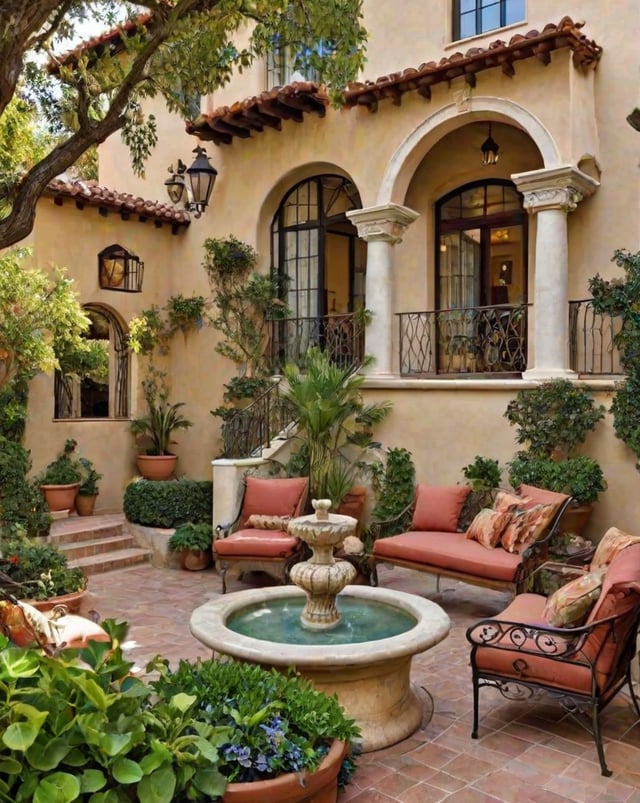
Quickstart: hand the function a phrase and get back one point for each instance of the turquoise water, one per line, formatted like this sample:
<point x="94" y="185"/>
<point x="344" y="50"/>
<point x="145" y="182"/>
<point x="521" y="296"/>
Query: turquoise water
<point x="278" y="620"/>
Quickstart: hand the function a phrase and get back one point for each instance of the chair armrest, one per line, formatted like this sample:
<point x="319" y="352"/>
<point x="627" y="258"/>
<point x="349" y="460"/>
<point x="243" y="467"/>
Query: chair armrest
<point x="389" y="527"/>
<point x="223" y="530"/>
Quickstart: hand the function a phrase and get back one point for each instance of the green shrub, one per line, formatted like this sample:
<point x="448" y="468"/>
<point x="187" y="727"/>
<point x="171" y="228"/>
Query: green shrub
<point x="197" y="537"/>
<point x="581" y="476"/>
<point x="22" y="506"/>
<point x="395" y="483"/>
<point x="168" y="504"/>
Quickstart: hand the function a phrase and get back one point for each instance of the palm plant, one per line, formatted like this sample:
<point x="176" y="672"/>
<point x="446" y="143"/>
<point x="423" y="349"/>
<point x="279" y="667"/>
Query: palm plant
<point x="334" y="424"/>
<point x="162" y="418"/>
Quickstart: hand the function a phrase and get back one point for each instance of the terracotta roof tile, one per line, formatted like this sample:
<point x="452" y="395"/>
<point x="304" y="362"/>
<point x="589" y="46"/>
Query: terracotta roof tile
<point x="90" y="193"/>
<point x="266" y="110"/>
<point x="499" y="53"/>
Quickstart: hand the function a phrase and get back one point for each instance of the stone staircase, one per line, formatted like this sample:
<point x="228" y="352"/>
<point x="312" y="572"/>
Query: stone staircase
<point x="97" y="544"/>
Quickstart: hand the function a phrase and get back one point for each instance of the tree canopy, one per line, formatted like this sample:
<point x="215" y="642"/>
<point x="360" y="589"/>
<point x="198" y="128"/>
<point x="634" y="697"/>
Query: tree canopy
<point x="173" y="48"/>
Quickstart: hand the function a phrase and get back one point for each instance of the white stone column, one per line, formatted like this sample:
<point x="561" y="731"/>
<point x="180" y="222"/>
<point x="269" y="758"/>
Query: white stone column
<point x="381" y="227"/>
<point x="551" y="194"/>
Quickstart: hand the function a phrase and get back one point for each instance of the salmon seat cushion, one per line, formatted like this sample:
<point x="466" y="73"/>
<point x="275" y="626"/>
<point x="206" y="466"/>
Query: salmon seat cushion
<point x="438" y="507"/>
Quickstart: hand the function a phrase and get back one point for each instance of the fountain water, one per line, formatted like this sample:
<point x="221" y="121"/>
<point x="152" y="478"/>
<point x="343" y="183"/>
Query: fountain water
<point x="330" y="632"/>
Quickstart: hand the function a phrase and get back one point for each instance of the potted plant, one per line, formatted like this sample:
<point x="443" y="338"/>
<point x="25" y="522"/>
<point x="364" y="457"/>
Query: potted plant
<point x="60" y="480"/>
<point x="42" y="573"/>
<point x="207" y="731"/>
<point x="192" y="542"/>
<point x="285" y="740"/>
<point x="157" y="426"/>
<point x="88" y="490"/>
<point x="553" y="420"/>
<point x="334" y="425"/>
<point x="483" y="475"/>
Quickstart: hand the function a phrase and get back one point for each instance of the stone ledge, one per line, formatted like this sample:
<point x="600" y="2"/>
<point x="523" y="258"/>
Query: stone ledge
<point x="155" y="539"/>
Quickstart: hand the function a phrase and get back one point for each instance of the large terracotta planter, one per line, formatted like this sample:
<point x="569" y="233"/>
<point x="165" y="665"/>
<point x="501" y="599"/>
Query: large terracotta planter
<point x="320" y="786"/>
<point x="72" y="602"/>
<point x="85" y="504"/>
<point x="157" y="466"/>
<point x="353" y="504"/>
<point x="575" y="519"/>
<point x="60" y="497"/>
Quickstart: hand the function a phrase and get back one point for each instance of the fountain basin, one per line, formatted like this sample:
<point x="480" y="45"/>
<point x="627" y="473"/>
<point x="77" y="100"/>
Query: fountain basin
<point x="370" y="678"/>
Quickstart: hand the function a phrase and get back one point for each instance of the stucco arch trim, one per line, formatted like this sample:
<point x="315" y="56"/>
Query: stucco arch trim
<point x="417" y="144"/>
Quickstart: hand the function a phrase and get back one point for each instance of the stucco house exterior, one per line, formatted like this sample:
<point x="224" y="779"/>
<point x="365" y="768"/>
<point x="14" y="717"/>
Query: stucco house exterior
<point x="471" y="267"/>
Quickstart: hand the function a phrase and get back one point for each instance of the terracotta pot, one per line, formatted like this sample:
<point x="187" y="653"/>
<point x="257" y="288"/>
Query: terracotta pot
<point x="157" y="466"/>
<point x="195" y="559"/>
<point x="60" y="497"/>
<point x="85" y="504"/>
<point x="575" y="519"/>
<point x="320" y="786"/>
<point x="71" y="601"/>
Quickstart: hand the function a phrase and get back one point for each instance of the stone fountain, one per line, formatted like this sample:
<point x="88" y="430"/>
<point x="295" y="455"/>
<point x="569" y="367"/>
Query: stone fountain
<point x="353" y="641"/>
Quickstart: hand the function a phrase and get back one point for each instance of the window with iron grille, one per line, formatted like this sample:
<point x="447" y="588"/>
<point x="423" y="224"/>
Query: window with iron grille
<point x="472" y="17"/>
<point x="285" y="67"/>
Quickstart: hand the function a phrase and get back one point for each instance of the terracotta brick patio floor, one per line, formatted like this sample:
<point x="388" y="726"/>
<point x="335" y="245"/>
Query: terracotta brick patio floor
<point x="526" y="751"/>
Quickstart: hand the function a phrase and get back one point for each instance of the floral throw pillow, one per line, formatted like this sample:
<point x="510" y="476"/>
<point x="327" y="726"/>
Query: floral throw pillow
<point x="509" y="502"/>
<point x="268" y="522"/>
<point x="612" y="542"/>
<point x="569" y="606"/>
<point x="525" y="527"/>
<point x="488" y="526"/>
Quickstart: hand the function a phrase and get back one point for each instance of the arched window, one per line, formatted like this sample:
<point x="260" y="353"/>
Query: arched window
<point x="320" y="261"/>
<point x="97" y="387"/>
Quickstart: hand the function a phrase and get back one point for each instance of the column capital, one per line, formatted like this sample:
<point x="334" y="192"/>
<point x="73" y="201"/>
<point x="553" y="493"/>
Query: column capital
<point x="386" y="223"/>
<point x="554" y="188"/>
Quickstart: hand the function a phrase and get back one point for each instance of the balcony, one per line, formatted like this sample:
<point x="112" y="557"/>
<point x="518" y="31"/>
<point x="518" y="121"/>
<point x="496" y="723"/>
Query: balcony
<point x="340" y="336"/>
<point x="469" y="340"/>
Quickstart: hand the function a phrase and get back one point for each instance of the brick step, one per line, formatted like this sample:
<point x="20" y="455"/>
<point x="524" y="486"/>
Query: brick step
<point x="109" y="561"/>
<point x="97" y="546"/>
<point x="83" y="534"/>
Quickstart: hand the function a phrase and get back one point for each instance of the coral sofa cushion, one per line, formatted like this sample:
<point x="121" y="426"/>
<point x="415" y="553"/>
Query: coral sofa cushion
<point x="488" y="526"/>
<point x="438" y="507"/>
<point x="530" y="662"/>
<point x="612" y="542"/>
<point x="448" y="550"/>
<point x="540" y="496"/>
<point x="526" y="526"/>
<point x="569" y="606"/>
<point x="273" y="497"/>
<point x="256" y="543"/>
<point x="268" y="522"/>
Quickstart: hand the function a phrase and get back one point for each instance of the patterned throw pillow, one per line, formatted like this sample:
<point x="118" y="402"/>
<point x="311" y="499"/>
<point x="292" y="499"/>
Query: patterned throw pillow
<point x="505" y="502"/>
<point x="268" y="522"/>
<point x="569" y="606"/>
<point x="488" y="526"/>
<point x="612" y="542"/>
<point x="525" y="527"/>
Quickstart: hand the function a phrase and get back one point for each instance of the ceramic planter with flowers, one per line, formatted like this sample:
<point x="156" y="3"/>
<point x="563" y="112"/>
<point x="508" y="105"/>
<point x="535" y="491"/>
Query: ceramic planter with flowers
<point x="42" y="573"/>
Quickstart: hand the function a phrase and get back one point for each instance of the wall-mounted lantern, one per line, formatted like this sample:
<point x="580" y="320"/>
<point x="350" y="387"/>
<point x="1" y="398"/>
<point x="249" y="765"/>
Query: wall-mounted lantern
<point x="120" y="269"/>
<point x="201" y="176"/>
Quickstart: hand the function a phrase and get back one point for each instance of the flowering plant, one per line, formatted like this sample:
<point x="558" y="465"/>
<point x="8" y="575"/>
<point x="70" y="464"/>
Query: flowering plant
<point x="40" y="569"/>
<point x="276" y="723"/>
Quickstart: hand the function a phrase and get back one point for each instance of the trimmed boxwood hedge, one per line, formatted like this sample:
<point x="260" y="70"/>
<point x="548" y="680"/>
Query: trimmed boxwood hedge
<point x="168" y="504"/>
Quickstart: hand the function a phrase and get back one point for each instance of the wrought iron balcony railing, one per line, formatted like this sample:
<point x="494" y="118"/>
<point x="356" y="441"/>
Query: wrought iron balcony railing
<point x="340" y="336"/>
<point x="471" y="340"/>
<point x="592" y="340"/>
<point x="251" y="429"/>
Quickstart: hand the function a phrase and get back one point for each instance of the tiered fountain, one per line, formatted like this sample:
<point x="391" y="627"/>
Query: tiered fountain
<point x="354" y="641"/>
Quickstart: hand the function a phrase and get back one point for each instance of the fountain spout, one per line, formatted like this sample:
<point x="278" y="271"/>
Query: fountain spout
<point x="322" y="577"/>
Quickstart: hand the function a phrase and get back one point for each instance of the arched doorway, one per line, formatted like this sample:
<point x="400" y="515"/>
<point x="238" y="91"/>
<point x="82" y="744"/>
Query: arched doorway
<point x="320" y="264"/>
<point x="97" y="388"/>
<point x="481" y="278"/>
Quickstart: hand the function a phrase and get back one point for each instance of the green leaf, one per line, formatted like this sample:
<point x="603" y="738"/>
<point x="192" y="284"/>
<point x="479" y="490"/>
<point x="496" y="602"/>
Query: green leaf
<point x="114" y="743"/>
<point x="157" y="787"/>
<point x="127" y="771"/>
<point x="9" y="766"/>
<point x="57" y="788"/>
<point x="92" y="691"/>
<point x="92" y="781"/>
<point x="21" y="735"/>
<point x="47" y="756"/>
<point x="210" y="782"/>
<point x="159" y="755"/>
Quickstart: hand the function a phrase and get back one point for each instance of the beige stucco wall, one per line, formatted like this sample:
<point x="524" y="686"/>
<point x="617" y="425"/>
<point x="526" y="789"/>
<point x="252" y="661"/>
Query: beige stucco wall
<point x="412" y="154"/>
